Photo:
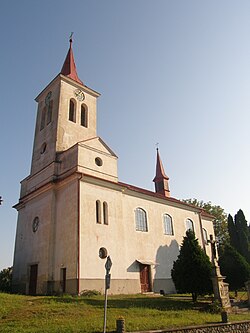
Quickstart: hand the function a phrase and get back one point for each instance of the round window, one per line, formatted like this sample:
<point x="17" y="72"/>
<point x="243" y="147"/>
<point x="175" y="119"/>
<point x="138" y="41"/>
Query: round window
<point x="98" y="161"/>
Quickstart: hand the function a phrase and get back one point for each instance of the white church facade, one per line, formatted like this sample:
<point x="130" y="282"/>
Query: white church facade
<point x="72" y="204"/>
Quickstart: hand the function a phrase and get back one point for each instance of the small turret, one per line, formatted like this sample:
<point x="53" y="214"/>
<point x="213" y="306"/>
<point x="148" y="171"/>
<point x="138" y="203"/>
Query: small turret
<point x="161" y="179"/>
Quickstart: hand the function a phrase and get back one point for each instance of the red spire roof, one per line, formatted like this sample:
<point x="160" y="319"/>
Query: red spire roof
<point x="160" y="173"/>
<point x="69" y="67"/>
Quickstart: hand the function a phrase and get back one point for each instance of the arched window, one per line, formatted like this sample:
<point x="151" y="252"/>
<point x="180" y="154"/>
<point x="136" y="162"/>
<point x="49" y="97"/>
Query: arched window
<point x="141" y="220"/>
<point x="205" y="235"/>
<point x="105" y="213"/>
<point x="84" y="115"/>
<point x="43" y="117"/>
<point x="50" y="107"/>
<point x="168" y="224"/>
<point x="98" y="212"/>
<point x="189" y="225"/>
<point x="72" y="111"/>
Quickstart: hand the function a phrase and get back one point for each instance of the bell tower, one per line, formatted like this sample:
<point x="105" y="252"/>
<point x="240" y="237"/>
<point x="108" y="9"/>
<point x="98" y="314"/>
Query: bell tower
<point x="66" y="115"/>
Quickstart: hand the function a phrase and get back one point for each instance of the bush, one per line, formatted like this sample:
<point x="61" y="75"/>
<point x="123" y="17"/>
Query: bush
<point x="214" y="307"/>
<point x="5" y="280"/>
<point x="89" y="293"/>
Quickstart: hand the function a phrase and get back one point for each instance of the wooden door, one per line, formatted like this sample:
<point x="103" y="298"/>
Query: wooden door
<point x="145" y="278"/>
<point x="33" y="279"/>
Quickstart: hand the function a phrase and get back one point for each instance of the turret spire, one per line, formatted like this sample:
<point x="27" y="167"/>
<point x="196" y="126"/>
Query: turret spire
<point x="69" y="67"/>
<point x="161" y="179"/>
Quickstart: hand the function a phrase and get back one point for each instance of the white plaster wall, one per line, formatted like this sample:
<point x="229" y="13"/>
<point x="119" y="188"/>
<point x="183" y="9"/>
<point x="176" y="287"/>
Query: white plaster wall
<point x="86" y="160"/>
<point x="124" y="243"/>
<point x="48" y="134"/>
<point x="65" y="237"/>
<point x="33" y="247"/>
<point x="69" y="133"/>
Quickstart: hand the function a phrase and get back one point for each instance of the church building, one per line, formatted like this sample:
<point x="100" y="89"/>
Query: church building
<point x="72" y="206"/>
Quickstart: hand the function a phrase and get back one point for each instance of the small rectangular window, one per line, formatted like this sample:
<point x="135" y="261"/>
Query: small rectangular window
<point x="98" y="211"/>
<point x="105" y="213"/>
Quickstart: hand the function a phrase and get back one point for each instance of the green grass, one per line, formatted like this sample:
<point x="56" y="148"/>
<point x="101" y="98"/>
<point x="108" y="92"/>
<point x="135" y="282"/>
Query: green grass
<point x="85" y="314"/>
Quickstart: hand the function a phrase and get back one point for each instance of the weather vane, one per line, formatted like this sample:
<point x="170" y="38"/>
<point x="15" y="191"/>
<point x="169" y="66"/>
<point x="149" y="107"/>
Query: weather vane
<point x="157" y="145"/>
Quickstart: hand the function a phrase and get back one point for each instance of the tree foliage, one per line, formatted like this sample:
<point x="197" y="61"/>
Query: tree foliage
<point x="239" y="234"/>
<point x="234" y="266"/>
<point x="5" y="280"/>
<point x="220" y="221"/>
<point x="192" y="270"/>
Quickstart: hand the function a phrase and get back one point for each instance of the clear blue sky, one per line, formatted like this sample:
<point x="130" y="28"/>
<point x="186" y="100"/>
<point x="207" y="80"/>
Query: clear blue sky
<point x="175" y="72"/>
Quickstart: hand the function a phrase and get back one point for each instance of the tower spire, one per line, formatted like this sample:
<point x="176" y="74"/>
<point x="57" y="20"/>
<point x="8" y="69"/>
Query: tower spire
<point x="69" y="67"/>
<point x="161" y="179"/>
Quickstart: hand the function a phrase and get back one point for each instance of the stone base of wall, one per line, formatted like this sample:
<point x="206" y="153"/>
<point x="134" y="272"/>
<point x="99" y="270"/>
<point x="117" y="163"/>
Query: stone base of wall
<point x="236" y="327"/>
<point x="117" y="286"/>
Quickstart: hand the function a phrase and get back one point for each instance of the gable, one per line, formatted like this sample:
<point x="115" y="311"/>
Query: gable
<point x="98" y="145"/>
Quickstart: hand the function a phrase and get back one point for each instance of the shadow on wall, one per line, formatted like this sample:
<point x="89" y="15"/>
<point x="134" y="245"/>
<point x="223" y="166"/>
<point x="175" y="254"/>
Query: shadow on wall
<point x="165" y="257"/>
<point x="134" y="267"/>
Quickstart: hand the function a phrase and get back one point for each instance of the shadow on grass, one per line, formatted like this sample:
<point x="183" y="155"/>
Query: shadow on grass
<point x="160" y="303"/>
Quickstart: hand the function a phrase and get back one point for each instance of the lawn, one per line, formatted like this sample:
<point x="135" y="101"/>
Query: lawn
<point x="45" y="314"/>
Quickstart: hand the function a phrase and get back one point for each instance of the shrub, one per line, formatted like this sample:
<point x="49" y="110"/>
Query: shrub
<point x="5" y="280"/>
<point x="89" y="293"/>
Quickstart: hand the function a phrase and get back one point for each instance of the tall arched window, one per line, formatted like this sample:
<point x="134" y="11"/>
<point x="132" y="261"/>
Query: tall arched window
<point x="72" y="110"/>
<point x="168" y="225"/>
<point x="141" y="220"/>
<point x="50" y="107"/>
<point x="105" y="213"/>
<point x="189" y="225"/>
<point x="43" y="117"/>
<point x="98" y="211"/>
<point x="84" y="115"/>
<point x="205" y="235"/>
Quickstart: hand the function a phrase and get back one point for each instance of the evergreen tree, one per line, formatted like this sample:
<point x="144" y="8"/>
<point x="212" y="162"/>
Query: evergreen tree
<point x="239" y="234"/>
<point x="191" y="271"/>
<point x="233" y="234"/>
<point x="234" y="266"/>
<point x="243" y="234"/>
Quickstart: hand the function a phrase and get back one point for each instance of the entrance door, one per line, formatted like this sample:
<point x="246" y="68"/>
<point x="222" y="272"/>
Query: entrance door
<point x="33" y="279"/>
<point x="145" y="278"/>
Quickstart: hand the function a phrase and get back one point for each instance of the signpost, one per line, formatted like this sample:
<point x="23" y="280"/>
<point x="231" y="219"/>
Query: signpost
<point x="103" y="254"/>
<point x="107" y="286"/>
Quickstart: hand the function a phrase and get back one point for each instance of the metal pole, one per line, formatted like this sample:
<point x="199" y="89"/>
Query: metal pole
<point x="105" y="308"/>
<point x="107" y="286"/>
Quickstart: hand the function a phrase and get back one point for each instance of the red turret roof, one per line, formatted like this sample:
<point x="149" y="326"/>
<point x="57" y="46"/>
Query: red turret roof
<point x="69" y="67"/>
<point x="160" y="173"/>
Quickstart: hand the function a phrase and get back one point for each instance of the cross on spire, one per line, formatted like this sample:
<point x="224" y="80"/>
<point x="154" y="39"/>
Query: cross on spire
<point x="69" y="67"/>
